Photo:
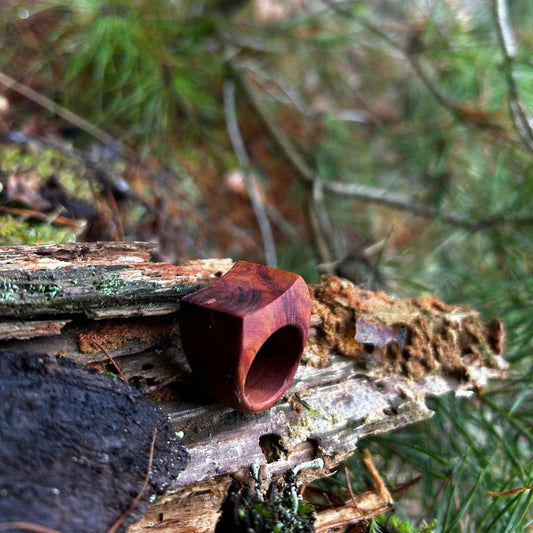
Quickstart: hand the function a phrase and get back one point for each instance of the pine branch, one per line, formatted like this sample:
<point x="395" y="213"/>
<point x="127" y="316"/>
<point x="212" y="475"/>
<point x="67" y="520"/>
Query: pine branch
<point x="466" y="113"/>
<point x="346" y="189"/>
<point x="369" y="193"/>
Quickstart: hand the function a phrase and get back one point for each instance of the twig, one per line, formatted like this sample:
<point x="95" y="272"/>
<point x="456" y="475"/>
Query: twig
<point x="299" y="166"/>
<point x="520" y="114"/>
<point x="391" y="199"/>
<point x="383" y="491"/>
<point x="282" y="223"/>
<point x="355" y="519"/>
<point x="163" y="384"/>
<point x="55" y="219"/>
<point x="444" y="101"/>
<point x="121" y="519"/>
<point x="286" y="93"/>
<point x="508" y="492"/>
<point x="466" y="113"/>
<point x="367" y="192"/>
<point x="251" y="184"/>
<point x="349" y="485"/>
<point x="64" y="113"/>
<point x="384" y="497"/>
<point x="318" y="221"/>
<point x="110" y="358"/>
<point x="27" y="526"/>
<point x="364" y="192"/>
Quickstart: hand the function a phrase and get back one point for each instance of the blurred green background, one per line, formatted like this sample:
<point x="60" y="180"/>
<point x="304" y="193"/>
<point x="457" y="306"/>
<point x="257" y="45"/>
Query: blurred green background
<point x="387" y="142"/>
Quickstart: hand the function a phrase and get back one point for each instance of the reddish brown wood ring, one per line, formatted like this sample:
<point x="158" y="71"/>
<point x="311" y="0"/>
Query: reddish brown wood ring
<point x="244" y="334"/>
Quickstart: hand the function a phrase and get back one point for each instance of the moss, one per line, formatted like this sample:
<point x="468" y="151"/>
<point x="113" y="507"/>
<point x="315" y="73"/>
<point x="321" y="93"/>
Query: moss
<point x="15" y="231"/>
<point x="47" y="161"/>
<point x="387" y="523"/>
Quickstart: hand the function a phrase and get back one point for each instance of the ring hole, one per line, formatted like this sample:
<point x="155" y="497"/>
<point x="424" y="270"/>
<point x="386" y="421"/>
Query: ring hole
<point x="274" y="366"/>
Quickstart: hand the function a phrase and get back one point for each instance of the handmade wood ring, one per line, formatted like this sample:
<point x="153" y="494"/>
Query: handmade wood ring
<point x="244" y="334"/>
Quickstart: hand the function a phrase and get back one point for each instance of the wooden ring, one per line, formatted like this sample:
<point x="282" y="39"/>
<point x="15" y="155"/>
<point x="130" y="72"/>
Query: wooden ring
<point x="244" y="334"/>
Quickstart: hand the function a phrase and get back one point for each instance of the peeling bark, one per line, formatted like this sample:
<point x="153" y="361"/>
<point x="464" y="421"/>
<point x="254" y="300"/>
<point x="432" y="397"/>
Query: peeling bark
<point x="369" y="363"/>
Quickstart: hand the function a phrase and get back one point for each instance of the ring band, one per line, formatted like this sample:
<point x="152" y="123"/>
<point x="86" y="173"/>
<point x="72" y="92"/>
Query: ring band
<point x="244" y="334"/>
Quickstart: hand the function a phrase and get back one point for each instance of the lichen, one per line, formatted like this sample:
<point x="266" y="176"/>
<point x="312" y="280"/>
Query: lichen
<point x="115" y="283"/>
<point x="110" y="284"/>
<point x="8" y="289"/>
<point x="280" y="510"/>
<point x="49" y="290"/>
<point x="13" y="291"/>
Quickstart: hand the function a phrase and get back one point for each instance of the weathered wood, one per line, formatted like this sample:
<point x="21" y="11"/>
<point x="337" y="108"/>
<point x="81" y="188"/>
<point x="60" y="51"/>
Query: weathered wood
<point x="106" y="280"/>
<point x="111" y="296"/>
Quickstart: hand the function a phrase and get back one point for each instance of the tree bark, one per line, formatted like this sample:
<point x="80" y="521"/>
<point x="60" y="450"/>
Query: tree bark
<point x="369" y="363"/>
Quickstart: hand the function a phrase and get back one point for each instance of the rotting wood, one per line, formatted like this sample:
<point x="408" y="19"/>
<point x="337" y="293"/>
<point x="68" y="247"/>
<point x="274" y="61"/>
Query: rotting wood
<point x="68" y="299"/>
<point x="75" y="445"/>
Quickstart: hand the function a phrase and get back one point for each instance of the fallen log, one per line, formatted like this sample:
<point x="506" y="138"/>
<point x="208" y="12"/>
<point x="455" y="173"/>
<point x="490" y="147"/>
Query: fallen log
<point x="369" y="363"/>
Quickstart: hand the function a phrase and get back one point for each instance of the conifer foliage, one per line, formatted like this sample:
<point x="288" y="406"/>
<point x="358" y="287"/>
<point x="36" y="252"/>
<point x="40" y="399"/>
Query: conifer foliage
<point x="387" y="142"/>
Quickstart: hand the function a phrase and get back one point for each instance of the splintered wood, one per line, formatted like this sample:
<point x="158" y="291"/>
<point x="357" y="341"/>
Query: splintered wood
<point x="369" y="363"/>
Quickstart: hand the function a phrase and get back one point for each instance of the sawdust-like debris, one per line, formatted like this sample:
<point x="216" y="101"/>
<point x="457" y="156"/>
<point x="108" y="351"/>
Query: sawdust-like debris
<point x="420" y="336"/>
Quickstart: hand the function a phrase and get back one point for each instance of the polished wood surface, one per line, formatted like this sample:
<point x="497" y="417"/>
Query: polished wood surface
<point x="245" y="333"/>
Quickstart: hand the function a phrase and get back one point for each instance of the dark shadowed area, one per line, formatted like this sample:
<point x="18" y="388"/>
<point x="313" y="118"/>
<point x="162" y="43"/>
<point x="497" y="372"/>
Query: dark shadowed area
<point x="75" y="446"/>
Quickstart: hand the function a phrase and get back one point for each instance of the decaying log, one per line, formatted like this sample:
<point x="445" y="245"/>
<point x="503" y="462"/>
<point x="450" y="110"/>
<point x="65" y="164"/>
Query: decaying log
<point x="369" y="363"/>
<point x="74" y="441"/>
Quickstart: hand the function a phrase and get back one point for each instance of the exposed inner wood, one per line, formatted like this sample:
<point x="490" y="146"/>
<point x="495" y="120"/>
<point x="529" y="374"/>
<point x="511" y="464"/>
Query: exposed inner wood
<point x="369" y="362"/>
